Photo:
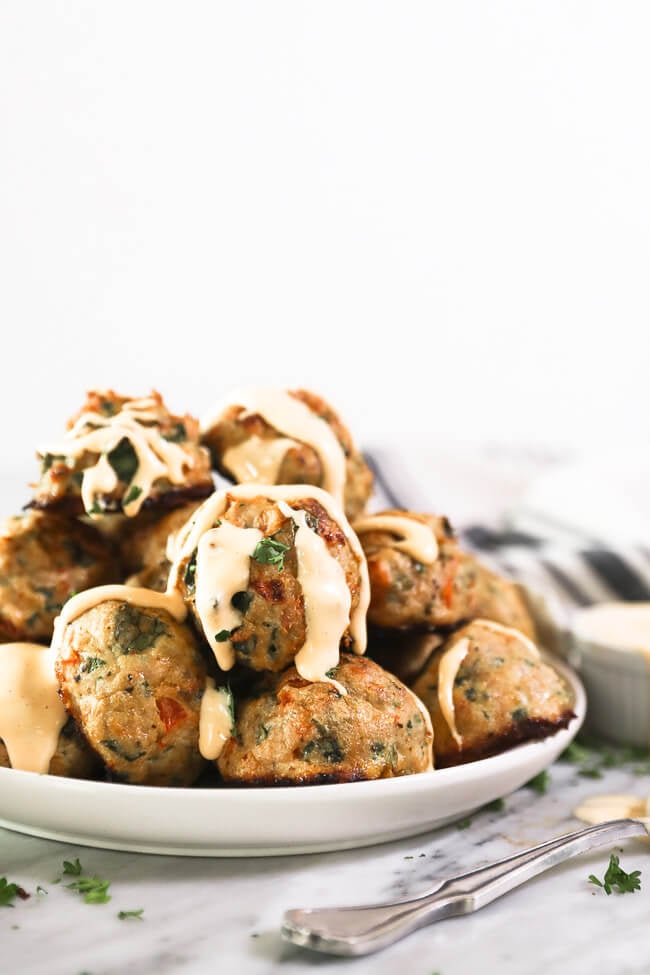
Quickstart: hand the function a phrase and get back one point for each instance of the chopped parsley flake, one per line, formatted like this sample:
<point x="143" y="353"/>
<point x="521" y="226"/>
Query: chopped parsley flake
<point x="133" y="494"/>
<point x="125" y="915"/>
<point x="617" y="879"/>
<point x="72" y="868"/>
<point x="9" y="892"/>
<point x="271" y="552"/>
<point x="222" y="636"/>
<point x="94" y="890"/>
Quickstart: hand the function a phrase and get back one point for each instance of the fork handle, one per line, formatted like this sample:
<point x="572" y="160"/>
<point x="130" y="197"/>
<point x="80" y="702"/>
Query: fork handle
<point x="362" y="930"/>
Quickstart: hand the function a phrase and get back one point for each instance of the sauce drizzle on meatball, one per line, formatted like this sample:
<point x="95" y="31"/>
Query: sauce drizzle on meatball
<point x="156" y="457"/>
<point x="222" y="569"/>
<point x="325" y="592"/>
<point x="290" y="416"/>
<point x="216" y="722"/>
<point x="31" y="712"/>
<point x="449" y="665"/>
<point x="417" y="539"/>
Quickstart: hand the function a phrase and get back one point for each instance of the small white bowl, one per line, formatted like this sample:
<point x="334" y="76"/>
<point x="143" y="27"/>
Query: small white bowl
<point x="611" y="651"/>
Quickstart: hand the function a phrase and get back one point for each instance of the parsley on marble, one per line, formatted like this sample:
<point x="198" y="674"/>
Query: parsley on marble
<point x="539" y="783"/>
<point x="125" y="915"/>
<point x="497" y="805"/>
<point x="94" y="890"/>
<point x="617" y="879"/>
<point x="271" y="552"/>
<point x="9" y="892"/>
<point x="72" y="868"/>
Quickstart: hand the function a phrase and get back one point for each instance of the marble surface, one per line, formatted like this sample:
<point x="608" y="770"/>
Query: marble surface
<point x="208" y="915"/>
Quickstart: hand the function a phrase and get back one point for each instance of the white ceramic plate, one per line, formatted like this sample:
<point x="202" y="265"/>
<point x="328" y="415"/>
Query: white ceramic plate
<point x="266" y="822"/>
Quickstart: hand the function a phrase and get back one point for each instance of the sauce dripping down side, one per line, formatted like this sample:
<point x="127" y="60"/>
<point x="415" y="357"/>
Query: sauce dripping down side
<point x="216" y="722"/>
<point x="448" y="669"/>
<point x="327" y="602"/>
<point x="291" y="417"/>
<point x="31" y="712"/>
<point x="416" y="538"/>
<point x="223" y="569"/>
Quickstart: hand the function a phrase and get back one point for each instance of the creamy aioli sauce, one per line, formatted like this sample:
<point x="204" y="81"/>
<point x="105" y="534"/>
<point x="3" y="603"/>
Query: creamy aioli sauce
<point x="99" y="434"/>
<point x="327" y="602"/>
<point x="418" y="540"/>
<point x="326" y="596"/>
<point x="294" y="419"/>
<point x="621" y="626"/>
<point x="222" y="569"/>
<point x="31" y="712"/>
<point x="447" y="671"/>
<point x="215" y="720"/>
<point x="257" y="461"/>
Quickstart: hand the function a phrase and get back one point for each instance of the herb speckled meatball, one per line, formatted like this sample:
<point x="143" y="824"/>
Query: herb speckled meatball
<point x="133" y="679"/>
<point x="44" y="559"/>
<point x="454" y="588"/>
<point x="503" y="693"/>
<point x="273" y="628"/>
<point x="299" y="733"/>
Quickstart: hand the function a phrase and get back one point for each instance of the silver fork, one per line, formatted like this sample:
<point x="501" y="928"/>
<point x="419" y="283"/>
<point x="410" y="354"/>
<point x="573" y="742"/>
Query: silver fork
<point x="362" y="930"/>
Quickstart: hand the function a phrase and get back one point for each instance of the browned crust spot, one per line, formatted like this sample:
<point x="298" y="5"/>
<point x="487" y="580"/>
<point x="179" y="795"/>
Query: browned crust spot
<point x="530" y="729"/>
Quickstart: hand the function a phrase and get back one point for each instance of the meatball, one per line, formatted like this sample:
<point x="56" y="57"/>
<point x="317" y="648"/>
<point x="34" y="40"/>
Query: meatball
<point x="145" y="551"/>
<point x="247" y="447"/>
<point x="120" y="454"/>
<point x="73" y="759"/>
<point x="300" y="733"/>
<point x="44" y="559"/>
<point x="272" y="575"/>
<point x="487" y="688"/>
<point x="133" y="679"/>
<point x="451" y="588"/>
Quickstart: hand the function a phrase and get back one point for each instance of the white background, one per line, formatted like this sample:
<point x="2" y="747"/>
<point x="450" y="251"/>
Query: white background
<point x="437" y="214"/>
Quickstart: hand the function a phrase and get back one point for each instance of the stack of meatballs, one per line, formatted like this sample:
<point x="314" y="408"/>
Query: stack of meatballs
<point x="133" y="677"/>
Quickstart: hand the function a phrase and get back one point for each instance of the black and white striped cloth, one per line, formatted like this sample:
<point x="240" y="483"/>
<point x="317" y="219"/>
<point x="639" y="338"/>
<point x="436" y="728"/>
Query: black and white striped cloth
<point x="566" y="567"/>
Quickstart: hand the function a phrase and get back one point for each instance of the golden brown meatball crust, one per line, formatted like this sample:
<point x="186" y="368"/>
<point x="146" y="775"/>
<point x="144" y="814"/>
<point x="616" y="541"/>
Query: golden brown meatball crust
<point x="273" y="628"/>
<point x="133" y="679"/>
<point x="301" y="464"/>
<point x="406" y="593"/>
<point x="73" y="759"/>
<point x="60" y="482"/>
<point x="144" y="550"/>
<point x="503" y="694"/>
<point x="298" y="733"/>
<point x="44" y="559"/>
